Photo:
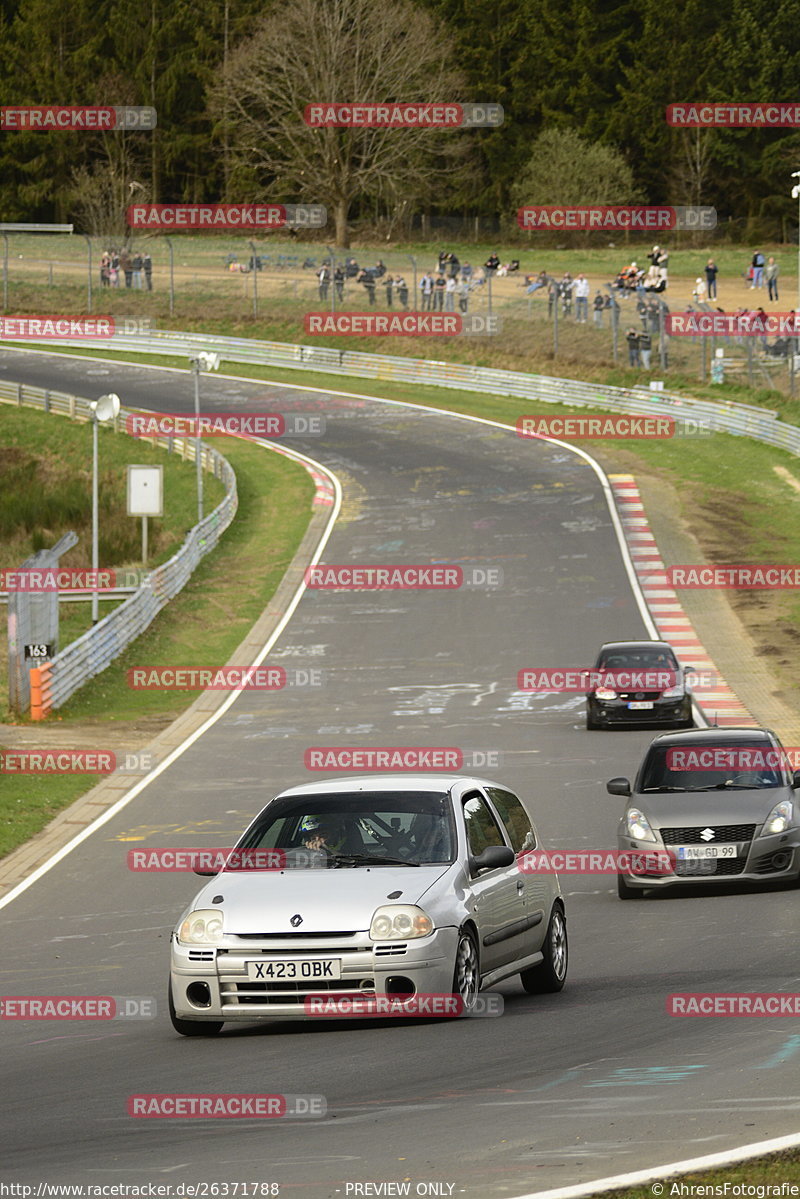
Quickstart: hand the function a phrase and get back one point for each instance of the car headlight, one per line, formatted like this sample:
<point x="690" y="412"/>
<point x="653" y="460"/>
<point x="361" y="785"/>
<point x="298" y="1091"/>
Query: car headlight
<point x="400" y="922"/>
<point x="203" y="927"/>
<point x="605" y="693"/>
<point x="674" y="692"/>
<point x="779" y="818"/>
<point x="638" y="825"/>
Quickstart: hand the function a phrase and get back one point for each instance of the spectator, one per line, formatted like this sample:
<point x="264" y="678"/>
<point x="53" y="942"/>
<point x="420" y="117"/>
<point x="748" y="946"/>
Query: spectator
<point x="351" y="268"/>
<point x="463" y="295"/>
<point x="388" y="283"/>
<point x="654" y="315"/>
<point x="454" y="265"/>
<point x="379" y="268"/>
<point x="136" y="265"/>
<point x="700" y="293"/>
<point x="535" y="284"/>
<point x="643" y="312"/>
<point x="758" y="270"/>
<point x="712" y="270"/>
<point x="367" y="278"/>
<point x="652" y="280"/>
<point x="772" y="271"/>
<point x="662" y="262"/>
<point x="565" y="287"/>
<point x="401" y="287"/>
<point x="598" y="306"/>
<point x="633" y="346"/>
<point x="553" y="292"/>
<point x="491" y="264"/>
<point x="323" y="282"/>
<point x="645" y="346"/>
<point x="441" y="265"/>
<point x="450" y="294"/>
<point x="126" y="266"/>
<point x="581" y="299"/>
<point x="147" y="266"/>
<point x="426" y="288"/>
<point x="466" y="272"/>
<point x="105" y="267"/>
<point x="439" y="285"/>
<point x="338" y="281"/>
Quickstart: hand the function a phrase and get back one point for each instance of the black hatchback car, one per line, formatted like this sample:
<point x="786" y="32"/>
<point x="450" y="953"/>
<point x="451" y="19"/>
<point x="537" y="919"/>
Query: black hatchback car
<point x="715" y="805"/>
<point x="638" y="682"/>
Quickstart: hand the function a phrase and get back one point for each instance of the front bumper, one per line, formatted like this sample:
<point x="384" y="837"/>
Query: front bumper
<point x="774" y="858"/>
<point x="213" y="983"/>
<point x="617" y="712"/>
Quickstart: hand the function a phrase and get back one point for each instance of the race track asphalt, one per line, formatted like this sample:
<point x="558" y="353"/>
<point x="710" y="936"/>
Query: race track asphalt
<point x="560" y="1089"/>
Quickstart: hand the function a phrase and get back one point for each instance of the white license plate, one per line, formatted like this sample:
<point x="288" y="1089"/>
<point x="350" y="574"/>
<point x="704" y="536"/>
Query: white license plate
<point x="272" y="970"/>
<point x="638" y="705"/>
<point x="694" y="853"/>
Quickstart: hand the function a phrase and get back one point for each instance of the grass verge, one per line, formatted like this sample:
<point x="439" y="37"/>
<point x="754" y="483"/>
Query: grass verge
<point x="200" y="627"/>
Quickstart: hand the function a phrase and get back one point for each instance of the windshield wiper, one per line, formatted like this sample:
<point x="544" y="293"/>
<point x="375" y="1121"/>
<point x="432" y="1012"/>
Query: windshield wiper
<point x="372" y="859"/>
<point x="728" y="787"/>
<point x="657" y="789"/>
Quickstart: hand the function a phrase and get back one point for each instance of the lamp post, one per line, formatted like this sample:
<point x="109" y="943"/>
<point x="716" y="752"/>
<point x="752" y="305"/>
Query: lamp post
<point x="413" y="262"/>
<point x="89" y="272"/>
<point x="171" y="275"/>
<point x="105" y="409"/>
<point x="205" y="361"/>
<point x="252" y="245"/>
<point x="796" y="196"/>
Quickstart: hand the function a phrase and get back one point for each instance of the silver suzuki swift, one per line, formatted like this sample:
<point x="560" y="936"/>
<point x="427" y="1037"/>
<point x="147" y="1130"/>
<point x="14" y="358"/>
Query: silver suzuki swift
<point x="387" y="885"/>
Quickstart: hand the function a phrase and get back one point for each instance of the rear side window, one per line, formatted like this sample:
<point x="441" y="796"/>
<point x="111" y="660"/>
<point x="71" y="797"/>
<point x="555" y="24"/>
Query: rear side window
<point x="515" y="818"/>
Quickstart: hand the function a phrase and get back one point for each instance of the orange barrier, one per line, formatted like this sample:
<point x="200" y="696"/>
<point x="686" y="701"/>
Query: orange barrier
<point x="41" y="695"/>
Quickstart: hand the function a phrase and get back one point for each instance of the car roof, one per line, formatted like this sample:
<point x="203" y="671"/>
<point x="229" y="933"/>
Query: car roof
<point x="636" y="645"/>
<point x="387" y="781"/>
<point x="738" y="735"/>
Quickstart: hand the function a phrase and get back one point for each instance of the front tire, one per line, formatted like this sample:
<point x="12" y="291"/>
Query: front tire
<point x="192" y="1028"/>
<point x="551" y="974"/>
<point x="466" y="975"/>
<point x="626" y="892"/>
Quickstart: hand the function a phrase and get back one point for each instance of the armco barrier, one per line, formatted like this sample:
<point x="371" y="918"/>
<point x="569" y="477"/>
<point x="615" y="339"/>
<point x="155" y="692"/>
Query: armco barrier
<point x="743" y="420"/>
<point x="53" y="683"/>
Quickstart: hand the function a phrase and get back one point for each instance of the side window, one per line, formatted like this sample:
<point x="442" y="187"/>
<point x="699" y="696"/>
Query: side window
<point x="515" y="818"/>
<point x="482" y="828"/>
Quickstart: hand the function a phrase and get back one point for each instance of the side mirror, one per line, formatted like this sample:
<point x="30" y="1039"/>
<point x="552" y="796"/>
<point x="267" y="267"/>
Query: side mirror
<point x="690" y="670"/>
<point x="618" y="787"/>
<point x="795" y="779"/>
<point x="204" y="872"/>
<point x="492" y="858"/>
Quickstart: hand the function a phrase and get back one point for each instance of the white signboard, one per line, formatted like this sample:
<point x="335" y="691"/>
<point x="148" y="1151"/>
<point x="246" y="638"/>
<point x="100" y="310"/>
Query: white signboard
<point x="145" y="491"/>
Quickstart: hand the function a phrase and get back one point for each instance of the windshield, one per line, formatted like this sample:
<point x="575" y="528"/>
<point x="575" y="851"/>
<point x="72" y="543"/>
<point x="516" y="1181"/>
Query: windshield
<point x="351" y="830"/>
<point x="644" y="659"/>
<point x="712" y="767"/>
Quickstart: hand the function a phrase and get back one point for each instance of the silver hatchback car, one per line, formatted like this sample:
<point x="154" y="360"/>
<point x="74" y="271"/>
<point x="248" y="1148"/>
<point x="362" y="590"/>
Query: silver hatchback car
<point x="719" y="805"/>
<point x="384" y="885"/>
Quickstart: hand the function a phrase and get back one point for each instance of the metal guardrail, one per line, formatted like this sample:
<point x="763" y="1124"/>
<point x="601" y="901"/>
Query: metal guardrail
<point x="95" y="650"/>
<point x="743" y="420"/>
